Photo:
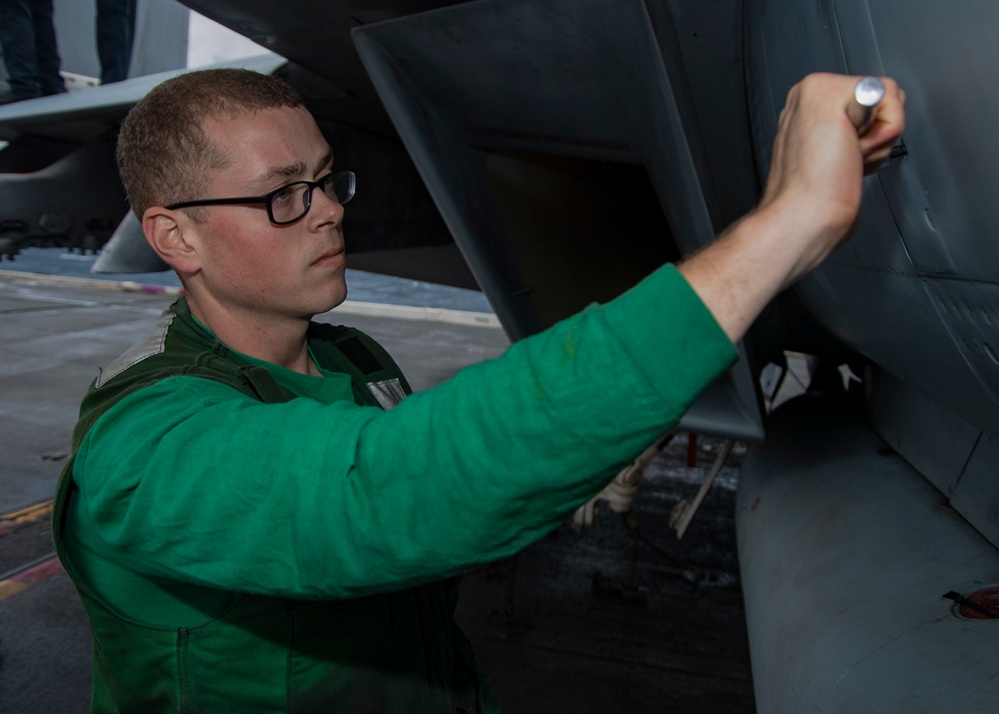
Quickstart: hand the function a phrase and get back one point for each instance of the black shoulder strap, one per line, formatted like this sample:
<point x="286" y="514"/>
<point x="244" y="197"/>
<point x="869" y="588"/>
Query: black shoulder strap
<point x="373" y="372"/>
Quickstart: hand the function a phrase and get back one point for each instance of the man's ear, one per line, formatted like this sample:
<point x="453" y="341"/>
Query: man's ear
<point x="173" y="236"/>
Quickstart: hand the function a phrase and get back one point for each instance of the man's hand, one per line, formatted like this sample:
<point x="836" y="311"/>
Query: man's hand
<point x="818" y="158"/>
<point x="810" y="204"/>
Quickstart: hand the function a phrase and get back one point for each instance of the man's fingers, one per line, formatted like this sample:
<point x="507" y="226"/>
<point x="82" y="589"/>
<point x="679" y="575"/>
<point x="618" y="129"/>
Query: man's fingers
<point x="862" y="110"/>
<point x="886" y="128"/>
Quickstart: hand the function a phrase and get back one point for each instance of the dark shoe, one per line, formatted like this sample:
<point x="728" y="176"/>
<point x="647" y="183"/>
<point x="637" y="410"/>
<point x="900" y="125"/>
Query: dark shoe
<point x="8" y="97"/>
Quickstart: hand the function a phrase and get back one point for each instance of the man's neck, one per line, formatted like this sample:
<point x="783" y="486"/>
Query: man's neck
<point x="276" y="339"/>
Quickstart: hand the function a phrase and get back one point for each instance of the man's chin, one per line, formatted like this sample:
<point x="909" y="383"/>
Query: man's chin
<point x="337" y="300"/>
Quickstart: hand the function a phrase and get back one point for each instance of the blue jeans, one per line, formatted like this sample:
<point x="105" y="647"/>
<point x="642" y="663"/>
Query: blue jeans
<point x="115" y="32"/>
<point x="29" y="48"/>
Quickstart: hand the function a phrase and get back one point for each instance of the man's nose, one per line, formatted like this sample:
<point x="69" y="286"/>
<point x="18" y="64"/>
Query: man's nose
<point x="322" y="206"/>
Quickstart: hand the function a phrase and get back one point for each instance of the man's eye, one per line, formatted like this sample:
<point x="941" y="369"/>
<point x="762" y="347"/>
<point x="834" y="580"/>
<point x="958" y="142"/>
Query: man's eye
<point x="282" y="195"/>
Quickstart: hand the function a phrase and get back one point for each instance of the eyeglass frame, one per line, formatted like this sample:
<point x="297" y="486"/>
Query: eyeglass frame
<point x="267" y="198"/>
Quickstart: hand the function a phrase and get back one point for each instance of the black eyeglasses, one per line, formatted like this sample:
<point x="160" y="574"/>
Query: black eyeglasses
<point x="289" y="203"/>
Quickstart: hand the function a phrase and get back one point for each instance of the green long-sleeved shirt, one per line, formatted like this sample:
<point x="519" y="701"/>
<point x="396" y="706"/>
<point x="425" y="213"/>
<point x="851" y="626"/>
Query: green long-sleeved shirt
<point x="321" y="498"/>
<point x="197" y="488"/>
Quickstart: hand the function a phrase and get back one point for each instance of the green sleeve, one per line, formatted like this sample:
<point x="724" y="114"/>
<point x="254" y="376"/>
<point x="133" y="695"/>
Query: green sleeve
<point x="190" y="480"/>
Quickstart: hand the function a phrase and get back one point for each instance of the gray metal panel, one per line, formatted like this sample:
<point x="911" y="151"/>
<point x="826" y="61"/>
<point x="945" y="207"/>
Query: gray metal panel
<point x="976" y="497"/>
<point x="934" y="440"/>
<point x="891" y="318"/>
<point x="845" y="554"/>
<point x="944" y="54"/>
<point x="954" y="456"/>
<point x="914" y="289"/>
<point x="971" y="312"/>
<point x="729" y="407"/>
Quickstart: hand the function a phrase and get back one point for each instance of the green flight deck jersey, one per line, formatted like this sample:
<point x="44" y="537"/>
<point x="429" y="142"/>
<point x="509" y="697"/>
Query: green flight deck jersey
<point x="250" y="539"/>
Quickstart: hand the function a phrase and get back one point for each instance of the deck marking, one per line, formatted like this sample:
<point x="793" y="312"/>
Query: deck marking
<point x="33" y="572"/>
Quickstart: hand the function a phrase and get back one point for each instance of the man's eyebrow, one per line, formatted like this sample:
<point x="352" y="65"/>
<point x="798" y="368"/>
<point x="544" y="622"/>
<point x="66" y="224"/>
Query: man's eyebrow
<point x="326" y="160"/>
<point x="297" y="169"/>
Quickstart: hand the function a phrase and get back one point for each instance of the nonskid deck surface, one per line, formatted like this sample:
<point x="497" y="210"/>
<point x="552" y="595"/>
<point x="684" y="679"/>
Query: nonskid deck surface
<point x="610" y="618"/>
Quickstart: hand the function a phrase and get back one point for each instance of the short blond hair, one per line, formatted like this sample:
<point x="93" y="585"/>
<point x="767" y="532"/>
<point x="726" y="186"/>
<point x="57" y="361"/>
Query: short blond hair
<point x="164" y="154"/>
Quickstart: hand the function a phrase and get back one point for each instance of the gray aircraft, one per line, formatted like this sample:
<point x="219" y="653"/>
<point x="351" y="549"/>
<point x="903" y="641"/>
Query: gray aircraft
<point x="553" y="152"/>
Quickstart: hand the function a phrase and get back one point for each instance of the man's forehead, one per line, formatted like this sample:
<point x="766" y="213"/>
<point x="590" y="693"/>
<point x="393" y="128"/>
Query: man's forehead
<point x="270" y="143"/>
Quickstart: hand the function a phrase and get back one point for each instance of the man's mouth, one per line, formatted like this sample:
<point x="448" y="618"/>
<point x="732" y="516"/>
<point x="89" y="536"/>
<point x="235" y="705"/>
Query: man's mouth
<point x="331" y="257"/>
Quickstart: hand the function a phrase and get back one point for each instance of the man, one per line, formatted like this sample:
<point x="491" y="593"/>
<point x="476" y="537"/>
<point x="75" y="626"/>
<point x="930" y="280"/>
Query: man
<point x="28" y="38"/>
<point x="115" y="31"/>
<point x="250" y="524"/>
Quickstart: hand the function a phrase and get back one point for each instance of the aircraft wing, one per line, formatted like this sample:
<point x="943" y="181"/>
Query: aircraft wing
<point x="84" y="115"/>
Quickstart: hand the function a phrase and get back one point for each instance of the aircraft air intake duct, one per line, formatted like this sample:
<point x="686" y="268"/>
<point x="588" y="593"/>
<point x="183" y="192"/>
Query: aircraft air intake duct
<point x="560" y="142"/>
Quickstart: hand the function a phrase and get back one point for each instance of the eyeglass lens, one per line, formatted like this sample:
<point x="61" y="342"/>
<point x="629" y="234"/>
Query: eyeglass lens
<point x="294" y="200"/>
